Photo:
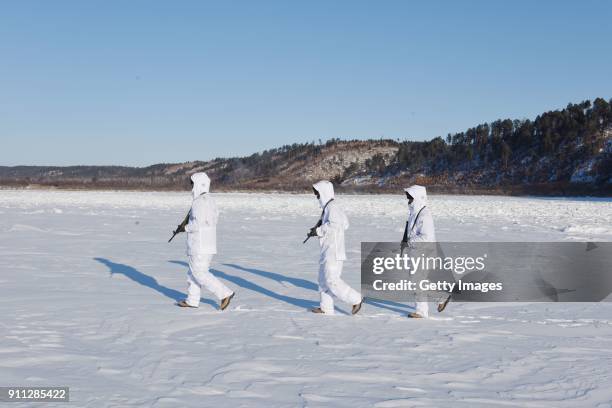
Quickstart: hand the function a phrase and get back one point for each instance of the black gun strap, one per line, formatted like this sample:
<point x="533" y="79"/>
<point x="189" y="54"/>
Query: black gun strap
<point x="325" y="206"/>
<point x="405" y="238"/>
<point x="323" y="213"/>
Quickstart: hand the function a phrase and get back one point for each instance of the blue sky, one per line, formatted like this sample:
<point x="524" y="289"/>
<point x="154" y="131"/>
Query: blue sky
<point x="144" y="82"/>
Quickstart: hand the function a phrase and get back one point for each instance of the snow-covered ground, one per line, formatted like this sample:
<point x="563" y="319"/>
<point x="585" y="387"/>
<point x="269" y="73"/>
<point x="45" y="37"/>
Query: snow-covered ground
<point x="88" y="282"/>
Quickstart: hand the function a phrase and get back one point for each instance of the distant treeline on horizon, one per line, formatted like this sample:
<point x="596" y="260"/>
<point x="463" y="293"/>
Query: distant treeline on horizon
<point x="567" y="151"/>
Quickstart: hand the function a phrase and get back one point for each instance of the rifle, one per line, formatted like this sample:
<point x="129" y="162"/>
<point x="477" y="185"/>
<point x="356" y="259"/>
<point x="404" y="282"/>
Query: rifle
<point x="181" y="227"/>
<point x="315" y="227"/>
<point x="407" y="233"/>
<point x="319" y="223"/>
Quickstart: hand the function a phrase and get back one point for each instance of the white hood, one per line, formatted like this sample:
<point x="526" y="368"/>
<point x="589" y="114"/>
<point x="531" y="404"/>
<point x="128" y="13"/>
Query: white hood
<point x="420" y="197"/>
<point x="326" y="191"/>
<point x="201" y="184"/>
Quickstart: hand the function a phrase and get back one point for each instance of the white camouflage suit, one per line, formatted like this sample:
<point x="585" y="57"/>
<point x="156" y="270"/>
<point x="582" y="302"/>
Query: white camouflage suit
<point x="202" y="242"/>
<point x="421" y="231"/>
<point x="333" y="254"/>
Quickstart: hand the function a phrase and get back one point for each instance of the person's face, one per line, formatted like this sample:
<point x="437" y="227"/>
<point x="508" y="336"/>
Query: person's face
<point x="316" y="193"/>
<point x="409" y="197"/>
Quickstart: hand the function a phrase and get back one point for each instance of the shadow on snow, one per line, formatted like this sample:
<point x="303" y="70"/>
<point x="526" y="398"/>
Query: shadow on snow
<point x="306" y="284"/>
<point x="243" y="283"/>
<point x="150" y="282"/>
<point x="146" y="280"/>
<point x="301" y="283"/>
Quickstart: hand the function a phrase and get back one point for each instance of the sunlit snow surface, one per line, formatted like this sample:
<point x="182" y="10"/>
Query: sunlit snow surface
<point x="88" y="282"/>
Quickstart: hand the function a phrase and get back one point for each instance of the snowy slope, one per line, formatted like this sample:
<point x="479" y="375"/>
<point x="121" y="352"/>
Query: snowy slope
<point x="87" y="285"/>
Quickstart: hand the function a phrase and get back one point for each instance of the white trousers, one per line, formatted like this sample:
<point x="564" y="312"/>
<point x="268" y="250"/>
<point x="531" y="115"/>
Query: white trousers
<point x="199" y="276"/>
<point x="331" y="285"/>
<point x="422" y="308"/>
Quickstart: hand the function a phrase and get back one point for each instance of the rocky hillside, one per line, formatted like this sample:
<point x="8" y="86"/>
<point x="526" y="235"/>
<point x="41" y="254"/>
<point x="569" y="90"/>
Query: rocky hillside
<point x="566" y="151"/>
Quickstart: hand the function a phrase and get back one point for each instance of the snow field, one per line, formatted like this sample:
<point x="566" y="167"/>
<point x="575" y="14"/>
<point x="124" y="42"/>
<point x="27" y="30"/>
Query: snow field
<point x="88" y="282"/>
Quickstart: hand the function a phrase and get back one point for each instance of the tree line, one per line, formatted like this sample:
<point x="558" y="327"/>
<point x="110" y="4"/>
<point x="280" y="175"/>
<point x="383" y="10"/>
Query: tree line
<point x="567" y="137"/>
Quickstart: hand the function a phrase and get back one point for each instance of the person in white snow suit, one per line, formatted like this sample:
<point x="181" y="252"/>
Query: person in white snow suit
<point x="202" y="245"/>
<point x="419" y="228"/>
<point x="330" y="231"/>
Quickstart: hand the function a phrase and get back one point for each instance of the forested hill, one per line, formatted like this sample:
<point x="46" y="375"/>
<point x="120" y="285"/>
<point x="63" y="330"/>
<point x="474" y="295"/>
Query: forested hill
<point x="566" y="151"/>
